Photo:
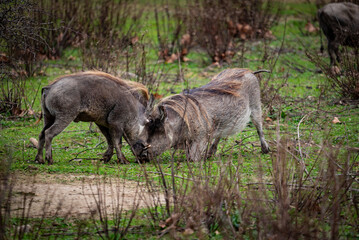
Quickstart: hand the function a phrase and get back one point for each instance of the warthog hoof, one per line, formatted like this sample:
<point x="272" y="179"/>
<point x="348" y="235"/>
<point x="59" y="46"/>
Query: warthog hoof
<point x="39" y="160"/>
<point x="49" y="161"/>
<point x="265" y="148"/>
<point x="123" y="160"/>
<point x="106" y="158"/>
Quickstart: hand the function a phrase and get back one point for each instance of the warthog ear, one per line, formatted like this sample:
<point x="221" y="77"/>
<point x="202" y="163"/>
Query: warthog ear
<point x="163" y="113"/>
<point x="150" y="104"/>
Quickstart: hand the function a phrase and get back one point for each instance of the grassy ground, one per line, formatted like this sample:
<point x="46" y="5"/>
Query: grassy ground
<point x="303" y="113"/>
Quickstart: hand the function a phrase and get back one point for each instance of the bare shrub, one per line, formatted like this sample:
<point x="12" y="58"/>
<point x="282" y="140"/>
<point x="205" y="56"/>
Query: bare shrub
<point x="270" y="90"/>
<point x="210" y="28"/>
<point x="254" y="19"/>
<point x="6" y="184"/>
<point x="215" y="25"/>
<point x="173" y="39"/>
<point x="15" y="216"/>
<point x="288" y="201"/>
<point x="12" y="93"/>
<point x="110" y="33"/>
<point x="66" y="25"/>
<point x="343" y="79"/>
<point x="110" y="219"/>
<point x="20" y="35"/>
<point x="23" y="47"/>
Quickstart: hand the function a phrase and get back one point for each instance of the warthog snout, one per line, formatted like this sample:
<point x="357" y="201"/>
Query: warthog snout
<point x="141" y="150"/>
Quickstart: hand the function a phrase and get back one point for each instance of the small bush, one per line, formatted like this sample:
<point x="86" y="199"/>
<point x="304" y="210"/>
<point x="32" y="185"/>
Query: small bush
<point x="344" y="78"/>
<point x="21" y="41"/>
<point x="173" y="40"/>
<point x="110" y="34"/>
<point x="215" y="25"/>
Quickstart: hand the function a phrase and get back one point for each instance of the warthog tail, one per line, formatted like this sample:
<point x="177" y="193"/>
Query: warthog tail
<point x="261" y="70"/>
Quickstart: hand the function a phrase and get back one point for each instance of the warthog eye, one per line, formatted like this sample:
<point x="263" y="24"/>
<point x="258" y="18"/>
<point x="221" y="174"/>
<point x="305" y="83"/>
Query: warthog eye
<point x="150" y="123"/>
<point x="154" y="125"/>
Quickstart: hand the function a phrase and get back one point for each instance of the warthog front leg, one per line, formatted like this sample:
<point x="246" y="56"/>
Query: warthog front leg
<point x="333" y="50"/>
<point x="213" y="149"/>
<point x="116" y="136"/>
<point x="109" y="152"/>
<point x="196" y="150"/>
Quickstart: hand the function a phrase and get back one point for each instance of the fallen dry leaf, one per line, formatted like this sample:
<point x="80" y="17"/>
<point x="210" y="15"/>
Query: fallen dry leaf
<point x="162" y="224"/>
<point x="71" y="58"/>
<point x="188" y="231"/>
<point x="184" y="51"/>
<point x="269" y="35"/>
<point x="268" y="119"/>
<point x="173" y="219"/>
<point x="185" y="59"/>
<point x="186" y="39"/>
<point x="34" y="142"/>
<point x="336" y="120"/>
<point x="247" y="29"/>
<point x="4" y="58"/>
<point x="309" y="27"/>
<point x="239" y="27"/>
<point x="134" y="40"/>
<point x="157" y="96"/>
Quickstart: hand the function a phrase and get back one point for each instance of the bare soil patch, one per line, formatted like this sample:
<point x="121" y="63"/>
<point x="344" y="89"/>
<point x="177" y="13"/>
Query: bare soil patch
<point x="64" y="195"/>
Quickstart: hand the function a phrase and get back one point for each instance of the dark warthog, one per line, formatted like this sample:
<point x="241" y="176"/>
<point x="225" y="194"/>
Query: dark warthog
<point x="219" y="109"/>
<point x="340" y="24"/>
<point x="115" y="105"/>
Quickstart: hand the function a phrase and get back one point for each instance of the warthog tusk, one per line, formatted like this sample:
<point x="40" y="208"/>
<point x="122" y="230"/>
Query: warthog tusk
<point x="147" y="147"/>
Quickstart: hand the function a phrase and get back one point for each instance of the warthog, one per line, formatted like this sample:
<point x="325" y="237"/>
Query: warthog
<point x="340" y="24"/>
<point x="115" y="105"/>
<point x="191" y="120"/>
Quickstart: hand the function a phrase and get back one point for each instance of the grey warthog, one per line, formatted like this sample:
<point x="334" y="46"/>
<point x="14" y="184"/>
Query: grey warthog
<point x="340" y="24"/>
<point x="115" y="105"/>
<point x="191" y="120"/>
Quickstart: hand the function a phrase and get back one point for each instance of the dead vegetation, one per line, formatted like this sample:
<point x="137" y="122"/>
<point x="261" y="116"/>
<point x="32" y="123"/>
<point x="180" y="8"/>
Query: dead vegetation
<point x="290" y="202"/>
<point x="343" y="79"/>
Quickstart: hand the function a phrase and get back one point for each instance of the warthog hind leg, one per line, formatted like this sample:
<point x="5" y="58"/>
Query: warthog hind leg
<point x="257" y="121"/>
<point x="59" y="125"/>
<point x="48" y="122"/>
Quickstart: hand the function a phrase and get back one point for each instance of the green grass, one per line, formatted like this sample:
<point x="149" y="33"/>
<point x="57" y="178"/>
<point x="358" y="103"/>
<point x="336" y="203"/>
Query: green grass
<point x="78" y="140"/>
<point x="306" y="99"/>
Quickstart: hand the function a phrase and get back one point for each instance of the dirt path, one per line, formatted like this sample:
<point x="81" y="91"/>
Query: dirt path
<point x="76" y="195"/>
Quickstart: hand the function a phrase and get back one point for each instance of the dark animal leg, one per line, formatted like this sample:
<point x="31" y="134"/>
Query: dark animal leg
<point x="333" y="50"/>
<point x="196" y="151"/>
<point x="109" y="152"/>
<point x="256" y="117"/>
<point x="56" y="128"/>
<point x="48" y="122"/>
<point x="116" y="135"/>
<point x="213" y="149"/>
